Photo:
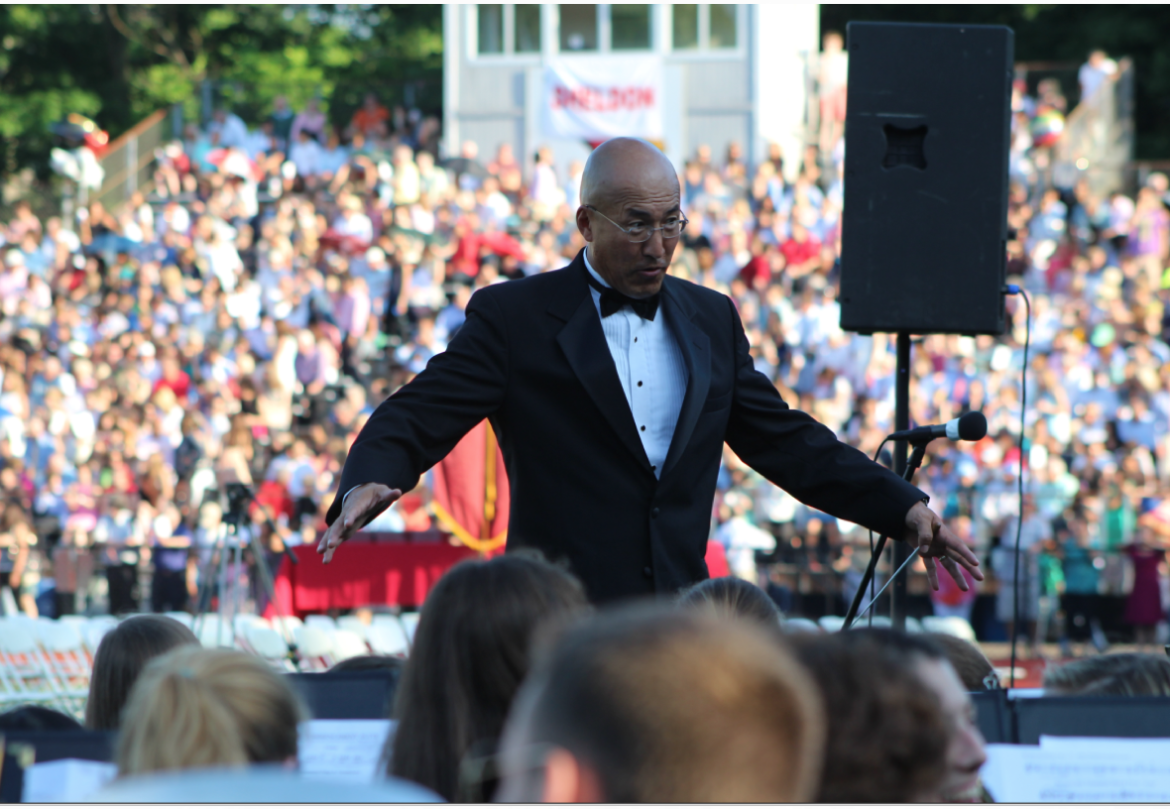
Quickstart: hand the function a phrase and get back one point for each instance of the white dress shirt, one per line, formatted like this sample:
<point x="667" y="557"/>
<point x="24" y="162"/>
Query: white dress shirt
<point x="651" y="369"/>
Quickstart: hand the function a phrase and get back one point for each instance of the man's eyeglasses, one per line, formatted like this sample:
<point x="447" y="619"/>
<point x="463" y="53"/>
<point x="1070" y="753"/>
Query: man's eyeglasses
<point x="639" y="232"/>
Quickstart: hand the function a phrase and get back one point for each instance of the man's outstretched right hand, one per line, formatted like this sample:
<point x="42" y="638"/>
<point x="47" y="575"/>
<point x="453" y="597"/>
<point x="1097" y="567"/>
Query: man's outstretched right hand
<point x="363" y="504"/>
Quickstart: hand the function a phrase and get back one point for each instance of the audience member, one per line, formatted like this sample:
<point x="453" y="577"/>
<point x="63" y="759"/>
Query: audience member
<point x="1090" y="673"/>
<point x="388" y="663"/>
<point x="206" y="708"/>
<point x="648" y="705"/>
<point x="886" y="731"/>
<point x="35" y="718"/>
<point x="974" y="669"/>
<point x="731" y="597"/>
<point x="121" y="656"/>
<point x="469" y="656"/>
<point x="1147" y="675"/>
<point x="965" y="753"/>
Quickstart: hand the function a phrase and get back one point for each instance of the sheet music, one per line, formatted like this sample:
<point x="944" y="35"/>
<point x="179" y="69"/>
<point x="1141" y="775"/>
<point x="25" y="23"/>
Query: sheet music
<point x="1087" y="771"/>
<point x="343" y="748"/>
<point x="68" y="780"/>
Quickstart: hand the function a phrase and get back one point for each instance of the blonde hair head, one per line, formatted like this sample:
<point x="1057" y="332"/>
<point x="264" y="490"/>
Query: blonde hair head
<point x="200" y="707"/>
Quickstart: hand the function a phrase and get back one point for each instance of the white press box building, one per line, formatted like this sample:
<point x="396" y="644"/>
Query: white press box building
<point x="564" y="75"/>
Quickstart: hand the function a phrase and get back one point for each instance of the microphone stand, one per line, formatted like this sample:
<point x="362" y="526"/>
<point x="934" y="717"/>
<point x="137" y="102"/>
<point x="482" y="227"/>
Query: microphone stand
<point x="912" y="465"/>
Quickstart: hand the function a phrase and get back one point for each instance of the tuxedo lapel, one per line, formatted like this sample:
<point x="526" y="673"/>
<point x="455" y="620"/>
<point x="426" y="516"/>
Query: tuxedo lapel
<point x="695" y="346"/>
<point x="587" y="352"/>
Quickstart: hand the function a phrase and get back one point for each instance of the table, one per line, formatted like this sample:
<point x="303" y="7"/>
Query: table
<point x="370" y="569"/>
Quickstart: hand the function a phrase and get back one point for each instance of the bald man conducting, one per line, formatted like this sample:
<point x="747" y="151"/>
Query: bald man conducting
<point x="612" y="388"/>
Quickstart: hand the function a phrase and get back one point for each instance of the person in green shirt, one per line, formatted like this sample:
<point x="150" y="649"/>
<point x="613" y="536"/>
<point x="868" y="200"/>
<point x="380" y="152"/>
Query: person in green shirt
<point x="1080" y="601"/>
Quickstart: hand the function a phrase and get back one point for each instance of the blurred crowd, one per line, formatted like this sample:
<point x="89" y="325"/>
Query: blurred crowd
<point x="238" y="319"/>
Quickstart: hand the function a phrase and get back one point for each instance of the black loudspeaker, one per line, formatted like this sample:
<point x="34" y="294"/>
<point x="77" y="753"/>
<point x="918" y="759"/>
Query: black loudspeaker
<point x="927" y="130"/>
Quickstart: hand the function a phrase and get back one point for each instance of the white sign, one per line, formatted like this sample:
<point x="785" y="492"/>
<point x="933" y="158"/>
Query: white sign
<point x="349" y="749"/>
<point x="595" y="99"/>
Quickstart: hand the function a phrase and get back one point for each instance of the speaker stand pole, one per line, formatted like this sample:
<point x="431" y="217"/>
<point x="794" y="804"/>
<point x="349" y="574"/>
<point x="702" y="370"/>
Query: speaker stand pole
<point x="901" y="422"/>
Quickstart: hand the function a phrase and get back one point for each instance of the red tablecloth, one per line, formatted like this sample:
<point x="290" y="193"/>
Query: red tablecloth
<point x="363" y="573"/>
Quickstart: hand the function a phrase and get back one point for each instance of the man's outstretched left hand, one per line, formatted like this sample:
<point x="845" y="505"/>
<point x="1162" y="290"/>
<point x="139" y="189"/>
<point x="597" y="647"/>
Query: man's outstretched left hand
<point x="938" y="544"/>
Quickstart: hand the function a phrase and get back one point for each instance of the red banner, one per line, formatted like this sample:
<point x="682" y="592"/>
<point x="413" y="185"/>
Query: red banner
<point x="471" y="495"/>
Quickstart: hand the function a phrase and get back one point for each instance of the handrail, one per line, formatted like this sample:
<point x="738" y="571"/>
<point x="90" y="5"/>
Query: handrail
<point x="134" y="131"/>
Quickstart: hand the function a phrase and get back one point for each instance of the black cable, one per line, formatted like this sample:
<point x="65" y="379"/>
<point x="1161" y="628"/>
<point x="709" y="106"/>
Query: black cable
<point x="1020" y="484"/>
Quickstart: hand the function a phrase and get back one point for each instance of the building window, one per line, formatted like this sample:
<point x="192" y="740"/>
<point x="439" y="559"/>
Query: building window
<point x="629" y="27"/>
<point x="527" y="28"/>
<point x="686" y="26"/>
<point x="722" y="26"/>
<point x="578" y="27"/>
<point x="704" y="26"/>
<point x="491" y="28"/>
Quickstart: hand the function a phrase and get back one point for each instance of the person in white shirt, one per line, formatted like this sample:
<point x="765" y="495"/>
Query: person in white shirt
<point x="353" y="221"/>
<point x="305" y="154"/>
<point x="231" y="129"/>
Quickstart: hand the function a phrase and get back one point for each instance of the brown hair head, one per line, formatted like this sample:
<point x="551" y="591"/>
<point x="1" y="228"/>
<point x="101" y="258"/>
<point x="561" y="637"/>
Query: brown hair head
<point x="732" y="597"/>
<point x="887" y="735"/>
<point x="120" y="659"/>
<point x="671" y="706"/>
<point x="470" y="653"/>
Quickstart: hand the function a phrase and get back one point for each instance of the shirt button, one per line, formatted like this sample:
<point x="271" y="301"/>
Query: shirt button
<point x="643" y="428"/>
<point x="639" y="383"/>
<point x="654" y="468"/>
<point x="654" y="511"/>
<point x="647" y="572"/>
<point x="635" y="339"/>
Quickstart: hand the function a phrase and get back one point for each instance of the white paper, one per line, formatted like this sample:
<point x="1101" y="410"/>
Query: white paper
<point x="1099" y="744"/>
<point x="350" y="749"/>
<point x="68" y="780"/>
<point x="1084" y="773"/>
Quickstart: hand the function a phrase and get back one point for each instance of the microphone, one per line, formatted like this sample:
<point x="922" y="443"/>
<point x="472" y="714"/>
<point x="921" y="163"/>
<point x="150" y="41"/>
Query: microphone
<point x="968" y="427"/>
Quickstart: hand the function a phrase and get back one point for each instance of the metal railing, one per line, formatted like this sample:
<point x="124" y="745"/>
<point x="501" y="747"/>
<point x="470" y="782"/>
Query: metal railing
<point x="127" y="161"/>
<point x="1098" y="139"/>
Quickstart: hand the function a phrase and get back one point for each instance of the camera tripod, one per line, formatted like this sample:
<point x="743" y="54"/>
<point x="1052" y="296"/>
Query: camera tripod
<point x="226" y="561"/>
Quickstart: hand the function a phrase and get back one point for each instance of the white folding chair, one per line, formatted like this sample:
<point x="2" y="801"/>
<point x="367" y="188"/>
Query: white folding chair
<point x="831" y="623"/>
<point x="268" y="644"/>
<point x="352" y="624"/>
<point x="24" y="675"/>
<point x="243" y="622"/>
<point x="409" y="622"/>
<point x="314" y="647"/>
<point x="347" y="644"/>
<point x="287" y="626"/>
<point x="949" y="625"/>
<point x="797" y="625"/>
<point x="65" y="661"/>
<point x="325" y="622"/>
<point x="214" y="633"/>
<point x="387" y="638"/>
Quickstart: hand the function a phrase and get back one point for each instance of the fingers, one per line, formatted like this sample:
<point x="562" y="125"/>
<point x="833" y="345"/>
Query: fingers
<point x="931" y="572"/>
<point x="956" y="574"/>
<point x="360" y="507"/>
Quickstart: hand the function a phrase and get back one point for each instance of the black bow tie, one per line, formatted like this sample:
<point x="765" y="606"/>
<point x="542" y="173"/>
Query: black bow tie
<point x="612" y="301"/>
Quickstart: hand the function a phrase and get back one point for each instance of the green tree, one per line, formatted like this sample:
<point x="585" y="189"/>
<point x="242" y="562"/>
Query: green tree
<point x="1063" y="32"/>
<point x="120" y="63"/>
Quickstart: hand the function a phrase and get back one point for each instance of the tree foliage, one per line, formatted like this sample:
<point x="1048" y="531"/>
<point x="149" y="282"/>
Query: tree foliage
<point x="1063" y="32"/>
<point x="120" y="63"/>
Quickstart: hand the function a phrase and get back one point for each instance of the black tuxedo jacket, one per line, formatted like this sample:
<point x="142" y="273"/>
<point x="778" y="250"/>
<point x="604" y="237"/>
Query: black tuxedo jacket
<point x="532" y="358"/>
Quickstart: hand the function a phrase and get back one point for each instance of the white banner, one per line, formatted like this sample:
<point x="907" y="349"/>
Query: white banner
<point x="598" y="98"/>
